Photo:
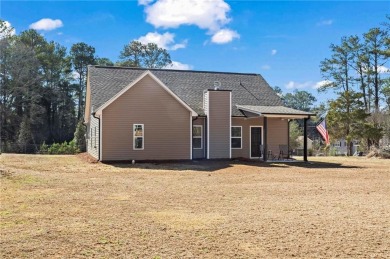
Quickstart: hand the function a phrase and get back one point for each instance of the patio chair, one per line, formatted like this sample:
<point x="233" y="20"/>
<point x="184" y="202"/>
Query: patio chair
<point x="261" y="151"/>
<point x="283" y="152"/>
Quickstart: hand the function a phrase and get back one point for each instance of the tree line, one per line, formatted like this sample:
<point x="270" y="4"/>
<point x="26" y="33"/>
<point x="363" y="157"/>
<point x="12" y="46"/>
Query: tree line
<point x="356" y="71"/>
<point x="42" y="93"/>
<point x="42" y="86"/>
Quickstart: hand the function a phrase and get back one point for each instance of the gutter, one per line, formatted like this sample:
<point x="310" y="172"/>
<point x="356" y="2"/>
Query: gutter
<point x="93" y="114"/>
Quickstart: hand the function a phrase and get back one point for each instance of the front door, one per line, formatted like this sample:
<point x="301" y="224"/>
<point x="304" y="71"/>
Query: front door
<point x="255" y="141"/>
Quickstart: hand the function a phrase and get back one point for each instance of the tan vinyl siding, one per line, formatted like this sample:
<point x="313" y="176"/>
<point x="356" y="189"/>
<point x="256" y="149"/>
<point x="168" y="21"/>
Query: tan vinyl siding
<point x="277" y="134"/>
<point x="166" y="122"/>
<point x="200" y="153"/>
<point x="219" y="119"/>
<point x="93" y="139"/>
<point x="245" y="123"/>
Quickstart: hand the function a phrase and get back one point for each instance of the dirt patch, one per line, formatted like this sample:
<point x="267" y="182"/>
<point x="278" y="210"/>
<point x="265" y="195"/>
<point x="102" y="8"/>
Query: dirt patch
<point x="87" y="158"/>
<point x="64" y="206"/>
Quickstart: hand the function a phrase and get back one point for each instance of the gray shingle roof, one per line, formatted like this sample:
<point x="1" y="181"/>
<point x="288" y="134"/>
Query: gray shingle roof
<point x="247" y="89"/>
<point x="273" y="110"/>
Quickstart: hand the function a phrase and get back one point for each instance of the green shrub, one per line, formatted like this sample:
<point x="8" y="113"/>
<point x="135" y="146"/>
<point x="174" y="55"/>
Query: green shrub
<point x="44" y="148"/>
<point x="64" y="148"/>
<point x="332" y="151"/>
<point x="79" y="136"/>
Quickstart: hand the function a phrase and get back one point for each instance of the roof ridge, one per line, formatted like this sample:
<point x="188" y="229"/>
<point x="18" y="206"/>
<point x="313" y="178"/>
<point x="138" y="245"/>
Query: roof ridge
<point x="174" y="70"/>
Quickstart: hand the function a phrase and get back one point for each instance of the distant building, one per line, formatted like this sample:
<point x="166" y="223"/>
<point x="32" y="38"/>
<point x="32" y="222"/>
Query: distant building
<point x="340" y="146"/>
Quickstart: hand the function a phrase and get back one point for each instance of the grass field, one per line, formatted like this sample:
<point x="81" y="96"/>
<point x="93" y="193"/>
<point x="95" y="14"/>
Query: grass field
<point x="63" y="206"/>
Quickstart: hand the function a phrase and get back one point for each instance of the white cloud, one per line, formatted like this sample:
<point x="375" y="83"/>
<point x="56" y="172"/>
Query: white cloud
<point x="75" y="75"/>
<point x="224" y="36"/>
<point x="325" y="22"/>
<point x="210" y="15"/>
<point x="296" y="85"/>
<point x="383" y="70"/>
<point x="165" y="41"/>
<point x="321" y="84"/>
<point x="179" y="66"/>
<point x="266" y="67"/>
<point x="144" y="2"/>
<point x="307" y="84"/>
<point x="7" y="30"/>
<point x="273" y="52"/>
<point x="173" y="13"/>
<point x="46" y="24"/>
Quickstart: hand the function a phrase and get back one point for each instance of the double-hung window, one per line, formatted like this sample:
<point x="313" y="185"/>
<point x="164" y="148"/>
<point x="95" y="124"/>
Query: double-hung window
<point x="138" y="136"/>
<point x="197" y="137"/>
<point x="236" y="140"/>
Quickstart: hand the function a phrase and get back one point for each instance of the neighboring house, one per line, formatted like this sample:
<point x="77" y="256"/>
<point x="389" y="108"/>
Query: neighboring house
<point x="158" y="114"/>
<point x="340" y="146"/>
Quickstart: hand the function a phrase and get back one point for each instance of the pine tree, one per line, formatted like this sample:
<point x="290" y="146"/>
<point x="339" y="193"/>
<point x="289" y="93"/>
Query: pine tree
<point x="79" y="136"/>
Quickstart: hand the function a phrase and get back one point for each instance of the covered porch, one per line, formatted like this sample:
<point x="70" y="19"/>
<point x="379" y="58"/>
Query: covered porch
<point x="264" y="150"/>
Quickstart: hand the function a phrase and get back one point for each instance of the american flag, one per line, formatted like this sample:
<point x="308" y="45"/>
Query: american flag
<point x="321" y="127"/>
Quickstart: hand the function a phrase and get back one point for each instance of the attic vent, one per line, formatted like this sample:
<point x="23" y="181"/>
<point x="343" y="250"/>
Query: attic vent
<point x="217" y="85"/>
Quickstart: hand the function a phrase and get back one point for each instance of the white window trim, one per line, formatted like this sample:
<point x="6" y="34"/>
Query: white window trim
<point x="201" y="136"/>
<point x="231" y="136"/>
<point x="143" y="136"/>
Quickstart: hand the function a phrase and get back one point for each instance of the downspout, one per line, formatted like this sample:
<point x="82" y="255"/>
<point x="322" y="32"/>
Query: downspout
<point x="93" y="114"/>
<point x="288" y="139"/>
<point x="205" y="138"/>
<point x="85" y="135"/>
<point x="305" y="138"/>
<point x="265" y="135"/>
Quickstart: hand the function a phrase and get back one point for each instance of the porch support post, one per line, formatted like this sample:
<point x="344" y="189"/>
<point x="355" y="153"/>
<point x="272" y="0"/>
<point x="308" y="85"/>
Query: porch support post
<point x="265" y="151"/>
<point x="305" y="139"/>
<point x="288" y="138"/>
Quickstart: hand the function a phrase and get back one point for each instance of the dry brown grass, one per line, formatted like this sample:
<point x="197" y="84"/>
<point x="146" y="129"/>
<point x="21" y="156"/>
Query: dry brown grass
<point x="63" y="206"/>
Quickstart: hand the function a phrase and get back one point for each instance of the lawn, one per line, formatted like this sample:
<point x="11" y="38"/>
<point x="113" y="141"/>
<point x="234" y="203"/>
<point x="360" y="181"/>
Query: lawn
<point x="63" y="206"/>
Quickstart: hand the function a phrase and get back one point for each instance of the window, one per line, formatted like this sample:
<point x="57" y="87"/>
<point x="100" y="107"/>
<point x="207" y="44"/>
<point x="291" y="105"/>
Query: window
<point x="236" y="137"/>
<point x="197" y="137"/>
<point x="138" y="136"/>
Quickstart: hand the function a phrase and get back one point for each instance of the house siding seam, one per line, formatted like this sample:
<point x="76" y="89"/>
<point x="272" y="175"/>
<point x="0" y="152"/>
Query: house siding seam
<point x="93" y="143"/>
<point x="219" y="117"/>
<point x="167" y="125"/>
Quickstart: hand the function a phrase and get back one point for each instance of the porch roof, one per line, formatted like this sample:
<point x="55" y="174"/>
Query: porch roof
<point x="274" y="111"/>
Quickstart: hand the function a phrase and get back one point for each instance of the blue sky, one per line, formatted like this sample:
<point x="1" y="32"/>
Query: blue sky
<point x="284" y="41"/>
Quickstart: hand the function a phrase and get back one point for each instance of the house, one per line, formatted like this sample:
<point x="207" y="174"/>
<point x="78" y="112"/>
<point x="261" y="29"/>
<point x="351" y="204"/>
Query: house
<point x="161" y="114"/>
<point x="340" y="147"/>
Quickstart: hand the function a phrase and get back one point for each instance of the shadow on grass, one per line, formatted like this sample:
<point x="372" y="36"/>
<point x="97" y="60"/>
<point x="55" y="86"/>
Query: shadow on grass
<point x="215" y="165"/>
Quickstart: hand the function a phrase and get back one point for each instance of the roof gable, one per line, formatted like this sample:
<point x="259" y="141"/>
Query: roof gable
<point x="188" y="86"/>
<point x="133" y="83"/>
